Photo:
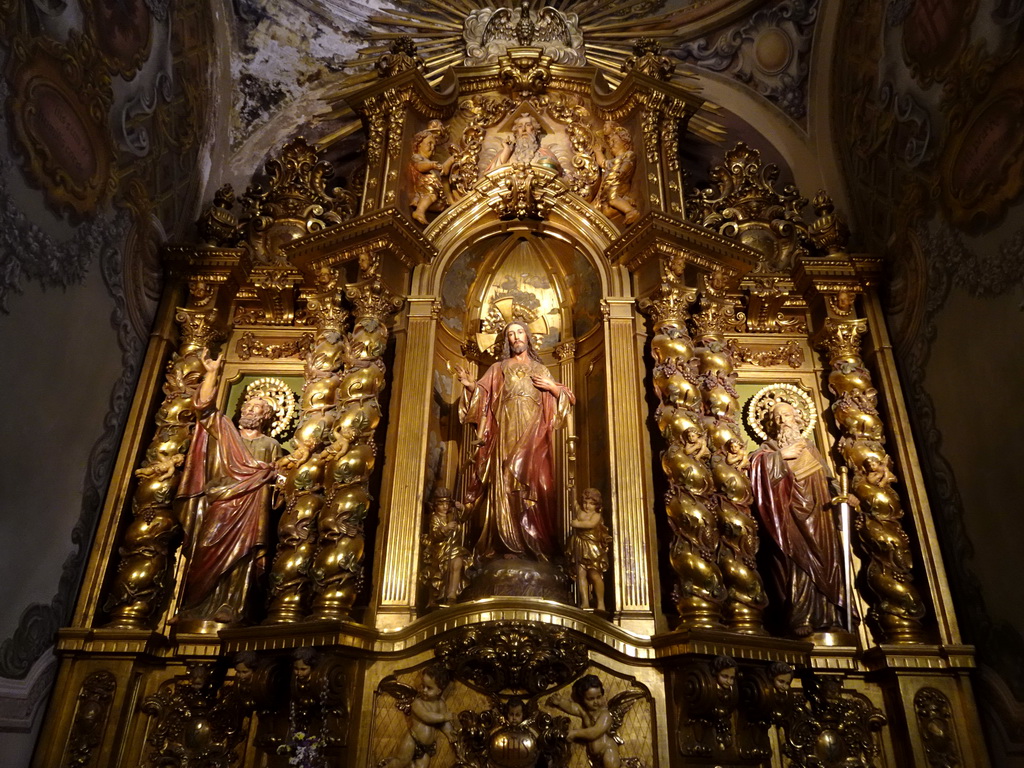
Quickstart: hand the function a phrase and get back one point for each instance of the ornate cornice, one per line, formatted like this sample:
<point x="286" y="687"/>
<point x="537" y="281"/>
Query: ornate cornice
<point x="391" y="230"/>
<point x="659" y="234"/>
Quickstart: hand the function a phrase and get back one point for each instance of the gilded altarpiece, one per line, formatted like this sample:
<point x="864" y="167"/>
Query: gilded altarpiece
<point x="542" y="458"/>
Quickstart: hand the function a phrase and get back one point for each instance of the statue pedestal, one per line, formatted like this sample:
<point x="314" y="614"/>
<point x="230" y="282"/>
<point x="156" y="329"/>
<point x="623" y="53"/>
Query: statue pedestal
<point x="515" y="577"/>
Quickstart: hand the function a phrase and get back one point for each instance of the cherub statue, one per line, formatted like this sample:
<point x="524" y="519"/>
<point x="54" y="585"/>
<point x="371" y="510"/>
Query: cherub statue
<point x="425" y="173"/>
<point x="445" y="557"/>
<point x="428" y="715"/>
<point x="619" y="165"/>
<point x="877" y="471"/>
<point x="589" y="541"/>
<point x="695" y="444"/>
<point x="159" y="465"/>
<point x="600" y="719"/>
<point x="736" y="454"/>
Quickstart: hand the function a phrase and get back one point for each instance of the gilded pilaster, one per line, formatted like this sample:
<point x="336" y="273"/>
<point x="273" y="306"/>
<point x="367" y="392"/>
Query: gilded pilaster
<point x="565" y="450"/>
<point x="636" y="586"/>
<point x="396" y="575"/>
<point x="699" y="591"/>
<point x="737" y="546"/>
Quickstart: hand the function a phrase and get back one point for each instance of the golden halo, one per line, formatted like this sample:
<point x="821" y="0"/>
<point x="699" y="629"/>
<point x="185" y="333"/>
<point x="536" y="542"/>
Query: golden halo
<point x="281" y="398"/>
<point x="768" y="397"/>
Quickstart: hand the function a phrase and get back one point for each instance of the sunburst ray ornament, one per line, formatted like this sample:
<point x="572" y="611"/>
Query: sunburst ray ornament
<point x="609" y="36"/>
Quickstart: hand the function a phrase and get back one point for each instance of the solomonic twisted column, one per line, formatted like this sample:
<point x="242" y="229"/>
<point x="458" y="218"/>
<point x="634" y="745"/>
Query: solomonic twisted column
<point x="337" y="568"/>
<point x="699" y="591"/>
<point x="737" y="548"/>
<point x="303" y="470"/>
<point x="896" y="607"/>
<point x="143" y="581"/>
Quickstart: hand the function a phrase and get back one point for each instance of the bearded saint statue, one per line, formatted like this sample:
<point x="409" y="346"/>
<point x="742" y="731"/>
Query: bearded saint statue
<point x="228" y="478"/>
<point x="791" y="488"/>
<point x="516" y="406"/>
<point x="523" y="147"/>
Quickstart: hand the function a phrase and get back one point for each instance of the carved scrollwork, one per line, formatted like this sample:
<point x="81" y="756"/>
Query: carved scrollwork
<point x="524" y="71"/>
<point x="648" y="59"/>
<point x="90" y="719"/>
<point x="935" y="719"/>
<point x="513" y="657"/>
<point x="250" y="346"/>
<point x="401" y="57"/>
<point x="746" y="205"/>
<point x="790" y="354"/>
<point x="827" y="727"/>
<point x="480" y="113"/>
<point x="195" y="724"/>
<point x="522" y="191"/>
<point x="709" y="698"/>
<point x="294" y="201"/>
<point x="767" y="302"/>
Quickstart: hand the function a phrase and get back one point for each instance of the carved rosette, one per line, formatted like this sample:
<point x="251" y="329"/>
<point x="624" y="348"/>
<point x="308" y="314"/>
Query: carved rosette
<point x="303" y="471"/>
<point x="738" y="542"/>
<point x="143" y="576"/>
<point x="896" y="607"/>
<point x="699" y="591"/>
<point x="337" y="568"/>
<point x="90" y="720"/>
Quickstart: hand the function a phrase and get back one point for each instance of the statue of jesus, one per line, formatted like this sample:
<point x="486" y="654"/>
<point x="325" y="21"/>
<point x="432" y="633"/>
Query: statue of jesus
<point x="516" y="405"/>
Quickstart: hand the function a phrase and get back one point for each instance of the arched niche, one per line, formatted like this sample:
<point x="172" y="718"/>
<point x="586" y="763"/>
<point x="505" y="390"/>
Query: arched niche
<point x="549" y="280"/>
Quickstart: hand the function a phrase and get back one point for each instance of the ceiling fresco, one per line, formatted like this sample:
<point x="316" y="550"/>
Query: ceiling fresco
<point x="929" y="117"/>
<point x="103" y="125"/>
